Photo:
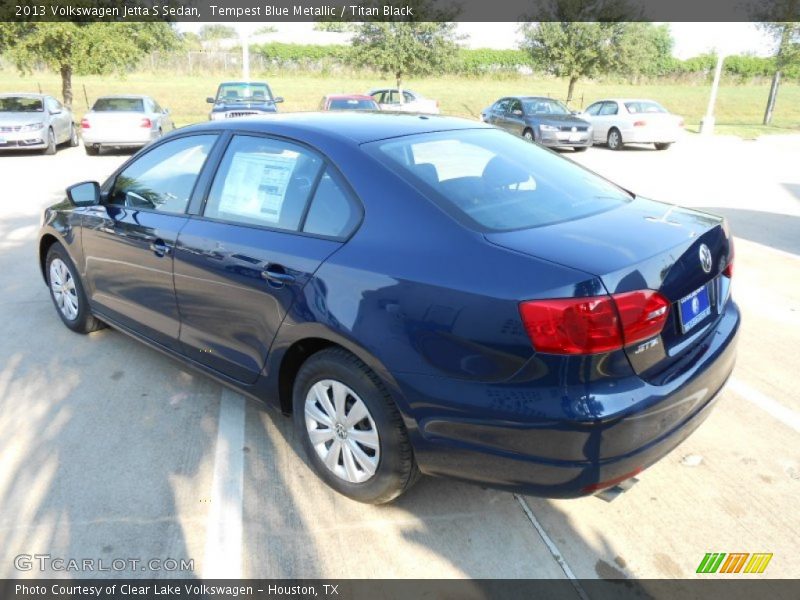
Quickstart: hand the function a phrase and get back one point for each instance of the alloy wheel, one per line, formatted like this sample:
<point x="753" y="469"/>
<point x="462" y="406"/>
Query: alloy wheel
<point x="342" y="431"/>
<point x="62" y="284"/>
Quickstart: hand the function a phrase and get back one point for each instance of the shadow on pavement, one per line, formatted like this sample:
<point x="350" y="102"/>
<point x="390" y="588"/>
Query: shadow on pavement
<point x="781" y="232"/>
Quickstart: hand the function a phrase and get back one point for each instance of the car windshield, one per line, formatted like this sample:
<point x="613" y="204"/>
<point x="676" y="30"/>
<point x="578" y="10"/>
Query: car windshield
<point x="243" y="92"/>
<point x="119" y="105"/>
<point x="544" y="106"/>
<point x="352" y="104"/>
<point x="494" y="181"/>
<point x="20" y="104"/>
<point x="644" y="106"/>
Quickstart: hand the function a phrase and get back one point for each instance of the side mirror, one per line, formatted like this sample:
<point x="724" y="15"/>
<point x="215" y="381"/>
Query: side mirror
<point x="210" y="100"/>
<point x="278" y="100"/>
<point x="577" y="112"/>
<point x="84" y="194"/>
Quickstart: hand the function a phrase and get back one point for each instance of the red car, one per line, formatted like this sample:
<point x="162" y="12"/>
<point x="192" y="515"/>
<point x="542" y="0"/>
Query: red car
<point x="348" y="102"/>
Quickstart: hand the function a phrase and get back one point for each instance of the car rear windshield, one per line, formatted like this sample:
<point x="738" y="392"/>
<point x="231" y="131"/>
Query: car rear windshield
<point x="20" y="104"/>
<point x="495" y="181"/>
<point x="243" y="92"/>
<point x="119" y="105"/>
<point x="644" y="107"/>
<point x="352" y="104"/>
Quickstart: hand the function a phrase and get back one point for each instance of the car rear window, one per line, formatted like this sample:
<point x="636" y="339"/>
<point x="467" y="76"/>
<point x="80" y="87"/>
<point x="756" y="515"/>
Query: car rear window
<point x="352" y="104"/>
<point x="644" y="107"/>
<point x="495" y="181"/>
<point x="119" y="105"/>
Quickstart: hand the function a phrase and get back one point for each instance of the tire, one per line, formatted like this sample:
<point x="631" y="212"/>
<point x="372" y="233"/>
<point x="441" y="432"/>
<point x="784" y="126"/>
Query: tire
<point x="581" y="148"/>
<point x="528" y="135"/>
<point x="51" y="143"/>
<point x="663" y="146"/>
<point x="91" y="150"/>
<point x="66" y="291"/>
<point x="381" y="464"/>
<point x="74" y="140"/>
<point x="614" y="139"/>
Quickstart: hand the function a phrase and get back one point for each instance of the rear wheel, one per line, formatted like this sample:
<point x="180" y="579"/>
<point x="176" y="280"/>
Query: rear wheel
<point x="615" y="139"/>
<point x="51" y="143"/>
<point x="528" y="135"/>
<point x="663" y="146"/>
<point x="352" y="432"/>
<point x="66" y="291"/>
<point x="92" y="150"/>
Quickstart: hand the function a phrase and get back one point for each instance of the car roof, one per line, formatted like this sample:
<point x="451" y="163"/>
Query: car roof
<point x="626" y="100"/>
<point x="389" y="89"/>
<point x="346" y="126"/>
<point x="349" y="97"/>
<point x="243" y="82"/>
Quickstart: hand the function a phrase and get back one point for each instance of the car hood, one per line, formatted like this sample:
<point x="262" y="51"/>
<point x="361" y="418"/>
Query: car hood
<point x="558" y="120"/>
<point x="268" y="106"/>
<point x="21" y="118"/>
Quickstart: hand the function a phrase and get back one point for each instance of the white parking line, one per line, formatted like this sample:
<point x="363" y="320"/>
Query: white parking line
<point x="551" y="546"/>
<point x="785" y="415"/>
<point x="223" y="556"/>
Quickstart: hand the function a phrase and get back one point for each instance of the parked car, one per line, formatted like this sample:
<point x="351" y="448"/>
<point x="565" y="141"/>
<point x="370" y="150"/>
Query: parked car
<point x="348" y="102"/>
<point x="423" y="294"/>
<point x="389" y="99"/>
<point x="242" y="99"/>
<point x="30" y="121"/>
<point x="540" y="119"/>
<point x="620" y="121"/>
<point x="130" y="121"/>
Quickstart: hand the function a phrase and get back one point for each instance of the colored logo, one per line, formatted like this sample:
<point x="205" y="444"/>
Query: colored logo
<point x="736" y="562"/>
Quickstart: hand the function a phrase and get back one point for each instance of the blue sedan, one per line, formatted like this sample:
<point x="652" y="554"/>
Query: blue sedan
<point x="422" y="294"/>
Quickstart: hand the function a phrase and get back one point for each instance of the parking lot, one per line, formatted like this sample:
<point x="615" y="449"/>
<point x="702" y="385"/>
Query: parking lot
<point x="111" y="450"/>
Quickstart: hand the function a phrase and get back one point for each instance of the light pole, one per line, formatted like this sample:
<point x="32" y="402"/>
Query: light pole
<point x="245" y="55"/>
<point x="707" y="122"/>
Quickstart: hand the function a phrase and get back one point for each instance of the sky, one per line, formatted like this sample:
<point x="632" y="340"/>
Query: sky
<point x="691" y="39"/>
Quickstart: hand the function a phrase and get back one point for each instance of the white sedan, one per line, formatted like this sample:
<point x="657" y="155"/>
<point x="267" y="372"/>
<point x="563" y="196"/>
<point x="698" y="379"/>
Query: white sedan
<point x="124" y="122"/>
<point x="620" y="121"/>
<point x="389" y="99"/>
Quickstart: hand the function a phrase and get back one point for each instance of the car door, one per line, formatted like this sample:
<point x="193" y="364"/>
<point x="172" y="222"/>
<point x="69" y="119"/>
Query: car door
<point x="606" y="119"/>
<point x="497" y="112"/>
<point x="515" y="118"/>
<point x="129" y="240"/>
<point x="60" y="119"/>
<point x="590" y="114"/>
<point x="243" y="261"/>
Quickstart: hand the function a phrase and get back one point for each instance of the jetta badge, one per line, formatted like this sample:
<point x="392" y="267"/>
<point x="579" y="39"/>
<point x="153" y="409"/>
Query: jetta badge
<point x="705" y="258"/>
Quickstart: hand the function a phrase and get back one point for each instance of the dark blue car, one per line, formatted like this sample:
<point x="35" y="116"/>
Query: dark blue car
<point x="423" y="294"/>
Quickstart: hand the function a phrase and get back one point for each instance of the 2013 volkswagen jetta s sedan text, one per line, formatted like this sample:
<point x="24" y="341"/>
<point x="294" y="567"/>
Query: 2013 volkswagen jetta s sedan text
<point x="423" y="294"/>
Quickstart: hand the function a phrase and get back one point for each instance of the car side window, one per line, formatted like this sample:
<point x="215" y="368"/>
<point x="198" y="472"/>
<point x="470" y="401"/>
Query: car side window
<point x="163" y="178"/>
<point x="155" y="106"/>
<point x="609" y="108"/>
<point x="263" y="181"/>
<point x="514" y="105"/>
<point x="333" y="211"/>
<point x="407" y="97"/>
<point x="594" y="109"/>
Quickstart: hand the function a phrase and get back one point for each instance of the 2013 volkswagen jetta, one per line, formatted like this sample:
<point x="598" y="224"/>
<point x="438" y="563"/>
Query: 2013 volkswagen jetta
<point x="424" y="294"/>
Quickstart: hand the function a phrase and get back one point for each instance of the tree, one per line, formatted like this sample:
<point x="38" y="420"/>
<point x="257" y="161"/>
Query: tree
<point x="83" y="48"/>
<point x="209" y="33"/>
<point x="643" y="49"/>
<point x="576" y="38"/>
<point x="787" y="54"/>
<point x="424" y="45"/>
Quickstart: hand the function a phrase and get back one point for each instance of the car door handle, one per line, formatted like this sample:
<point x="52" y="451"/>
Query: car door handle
<point x="159" y="247"/>
<point x="277" y="274"/>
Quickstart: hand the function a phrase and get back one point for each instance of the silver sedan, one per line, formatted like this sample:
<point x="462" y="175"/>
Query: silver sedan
<point x="124" y="122"/>
<point x="620" y="121"/>
<point x="35" y="121"/>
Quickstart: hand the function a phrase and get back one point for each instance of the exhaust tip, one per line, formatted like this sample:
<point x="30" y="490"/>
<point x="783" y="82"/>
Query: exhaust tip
<point x="610" y="494"/>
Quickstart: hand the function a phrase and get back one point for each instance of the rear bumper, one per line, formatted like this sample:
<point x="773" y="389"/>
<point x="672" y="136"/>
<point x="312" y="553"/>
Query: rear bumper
<point x="646" y="136"/>
<point x="133" y="139"/>
<point x="631" y="427"/>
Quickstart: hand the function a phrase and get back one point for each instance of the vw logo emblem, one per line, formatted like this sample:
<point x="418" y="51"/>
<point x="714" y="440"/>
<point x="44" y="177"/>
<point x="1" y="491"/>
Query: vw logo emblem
<point x="705" y="258"/>
<point x="574" y="129"/>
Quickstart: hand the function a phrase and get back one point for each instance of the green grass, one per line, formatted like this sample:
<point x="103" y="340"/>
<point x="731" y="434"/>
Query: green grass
<point x="739" y="109"/>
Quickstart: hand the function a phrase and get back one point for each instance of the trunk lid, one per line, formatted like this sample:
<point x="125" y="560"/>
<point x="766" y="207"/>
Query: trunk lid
<point x="116" y="121"/>
<point x="644" y="245"/>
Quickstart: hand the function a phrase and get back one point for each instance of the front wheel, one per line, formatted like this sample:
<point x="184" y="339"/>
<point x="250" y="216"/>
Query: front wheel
<point x="352" y="432"/>
<point x="615" y="139"/>
<point x="663" y="146"/>
<point x="51" y="143"/>
<point x="66" y="291"/>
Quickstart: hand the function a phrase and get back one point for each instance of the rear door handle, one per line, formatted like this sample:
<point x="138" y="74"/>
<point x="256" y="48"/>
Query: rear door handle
<point x="159" y="247"/>
<point x="277" y="274"/>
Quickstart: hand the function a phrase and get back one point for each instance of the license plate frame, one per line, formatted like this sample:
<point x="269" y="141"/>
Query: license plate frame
<point x="691" y="313"/>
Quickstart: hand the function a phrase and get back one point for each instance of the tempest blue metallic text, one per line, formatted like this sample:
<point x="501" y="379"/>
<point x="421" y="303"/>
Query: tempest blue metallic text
<point x="424" y="294"/>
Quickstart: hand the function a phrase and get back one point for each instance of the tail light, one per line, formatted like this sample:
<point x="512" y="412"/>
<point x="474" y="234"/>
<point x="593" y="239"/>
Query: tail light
<point x="146" y="123"/>
<point x="595" y="324"/>
<point x="728" y="270"/>
<point x="681" y="123"/>
<point x="639" y="123"/>
<point x="85" y="124"/>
